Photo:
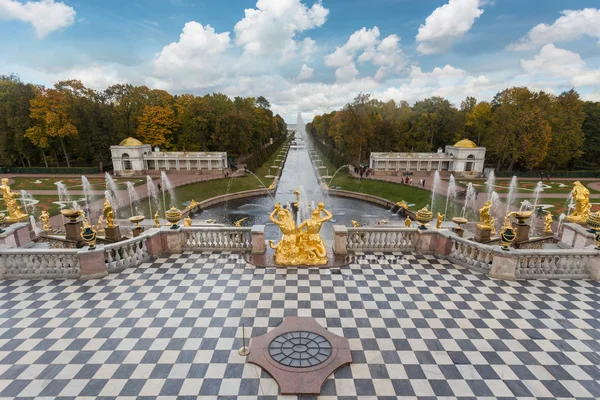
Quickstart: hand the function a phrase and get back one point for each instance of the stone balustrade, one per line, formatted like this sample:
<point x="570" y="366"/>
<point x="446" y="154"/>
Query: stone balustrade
<point x="221" y="238"/>
<point x="555" y="264"/>
<point x="39" y="263"/>
<point x="380" y="239"/>
<point x="127" y="253"/>
<point x="473" y="255"/>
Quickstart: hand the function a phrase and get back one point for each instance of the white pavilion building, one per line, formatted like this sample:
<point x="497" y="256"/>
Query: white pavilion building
<point x="132" y="157"/>
<point x="464" y="158"/>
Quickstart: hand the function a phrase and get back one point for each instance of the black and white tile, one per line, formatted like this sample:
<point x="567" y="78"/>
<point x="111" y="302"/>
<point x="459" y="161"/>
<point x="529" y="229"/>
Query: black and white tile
<point x="419" y="328"/>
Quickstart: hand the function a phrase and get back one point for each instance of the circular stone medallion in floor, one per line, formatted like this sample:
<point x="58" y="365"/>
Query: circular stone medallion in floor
<point x="300" y="349"/>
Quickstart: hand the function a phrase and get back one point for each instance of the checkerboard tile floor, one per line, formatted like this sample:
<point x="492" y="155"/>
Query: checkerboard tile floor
<point x="419" y="328"/>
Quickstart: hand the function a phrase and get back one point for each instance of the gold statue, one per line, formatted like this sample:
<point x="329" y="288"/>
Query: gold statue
<point x="302" y="245"/>
<point x="402" y="204"/>
<point x="45" y="218"/>
<point x="485" y="221"/>
<point x="286" y="251"/>
<point x="108" y="213"/>
<point x="440" y="218"/>
<point x="581" y="196"/>
<point x="407" y="222"/>
<point x="187" y="221"/>
<point x="192" y="204"/>
<point x="312" y="248"/>
<point x="272" y="186"/>
<point x="507" y="221"/>
<point x="493" y="226"/>
<point x="382" y="222"/>
<point x="548" y="222"/>
<point x="355" y="224"/>
<point x="238" y="223"/>
<point x="14" y="211"/>
<point x="156" y="220"/>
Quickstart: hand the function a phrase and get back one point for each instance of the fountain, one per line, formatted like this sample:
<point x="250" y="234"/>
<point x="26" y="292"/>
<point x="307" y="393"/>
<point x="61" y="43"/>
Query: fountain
<point x="87" y="192"/>
<point x="28" y="202"/>
<point x="168" y="186"/>
<point x="437" y="180"/>
<point x="34" y="225"/>
<point x="536" y="194"/>
<point x="525" y="205"/>
<point x="490" y="183"/>
<point x="512" y="193"/>
<point x="152" y="194"/>
<point x="469" y="199"/>
<point x="112" y="186"/>
<point x="450" y="194"/>
<point x="134" y="199"/>
<point x="495" y="211"/>
<point x="63" y="194"/>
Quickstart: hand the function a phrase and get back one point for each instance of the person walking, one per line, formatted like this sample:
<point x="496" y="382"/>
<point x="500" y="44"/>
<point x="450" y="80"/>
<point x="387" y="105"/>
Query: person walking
<point x="423" y="183"/>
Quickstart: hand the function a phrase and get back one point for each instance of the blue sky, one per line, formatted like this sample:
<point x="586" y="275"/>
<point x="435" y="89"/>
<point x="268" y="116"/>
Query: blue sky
<point x="304" y="55"/>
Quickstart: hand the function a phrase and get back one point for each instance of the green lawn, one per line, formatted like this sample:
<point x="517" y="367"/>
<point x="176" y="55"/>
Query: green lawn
<point x="42" y="183"/>
<point x="558" y="206"/>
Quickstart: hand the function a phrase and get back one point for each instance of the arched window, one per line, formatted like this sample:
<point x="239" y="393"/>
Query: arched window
<point x="469" y="164"/>
<point x="126" y="161"/>
<point x="470" y="157"/>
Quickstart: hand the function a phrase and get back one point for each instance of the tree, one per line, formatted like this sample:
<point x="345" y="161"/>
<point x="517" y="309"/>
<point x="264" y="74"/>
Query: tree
<point x="468" y="104"/>
<point x="49" y="109"/>
<point x="156" y="125"/>
<point x="591" y="131"/>
<point x="479" y="120"/>
<point x="566" y="116"/>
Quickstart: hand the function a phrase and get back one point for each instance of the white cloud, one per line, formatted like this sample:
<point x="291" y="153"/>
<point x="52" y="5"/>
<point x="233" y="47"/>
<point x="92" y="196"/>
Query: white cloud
<point x="553" y="62"/>
<point x="307" y="48"/>
<point x="199" y="57"/>
<point x="305" y="73"/>
<point x="271" y="27"/>
<point x="384" y="53"/>
<point x="572" y="25"/>
<point x="46" y="16"/>
<point x="446" y="24"/>
<point x="94" y="76"/>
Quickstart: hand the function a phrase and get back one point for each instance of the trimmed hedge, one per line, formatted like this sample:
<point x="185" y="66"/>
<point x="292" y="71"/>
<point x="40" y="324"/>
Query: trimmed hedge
<point x="257" y="159"/>
<point x="50" y="170"/>
<point x="553" y="174"/>
<point x="331" y="154"/>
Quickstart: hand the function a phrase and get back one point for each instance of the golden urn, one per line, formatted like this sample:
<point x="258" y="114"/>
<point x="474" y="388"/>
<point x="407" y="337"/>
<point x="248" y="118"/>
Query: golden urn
<point x="522" y="216"/>
<point x="88" y="234"/>
<point x="136" y="219"/>
<point x="423" y="217"/>
<point x="72" y="215"/>
<point x="593" y="221"/>
<point x="459" y="221"/>
<point x="507" y="236"/>
<point x="173" y="215"/>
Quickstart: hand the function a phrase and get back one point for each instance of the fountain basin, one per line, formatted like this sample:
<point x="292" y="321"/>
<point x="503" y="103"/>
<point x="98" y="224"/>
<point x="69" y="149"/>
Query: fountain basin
<point x="136" y="219"/>
<point x="522" y="216"/>
<point x="72" y="215"/>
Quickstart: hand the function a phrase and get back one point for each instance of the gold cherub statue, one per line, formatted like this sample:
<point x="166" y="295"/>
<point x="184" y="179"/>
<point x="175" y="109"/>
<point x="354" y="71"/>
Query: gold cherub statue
<point x="407" y="222"/>
<point x="581" y="197"/>
<point x="156" y="220"/>
<point x="45" y="218"/>
<point x="440" y="218"/>
<point x="355" y="224"/>
<point x="187" y="221"/>
<point x="548" y="222"/>
<point x="485" y="221"/>
<point x="14" y="211"/>
<point x="109" y="214"/>
<point x="493" y="226"/>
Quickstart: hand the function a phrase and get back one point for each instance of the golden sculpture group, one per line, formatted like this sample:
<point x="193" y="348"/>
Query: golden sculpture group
<point x="14" y="211"/>
<point x="485" y="219"/>
<point x="581" y="197"/>
<point x="301" y="245"/>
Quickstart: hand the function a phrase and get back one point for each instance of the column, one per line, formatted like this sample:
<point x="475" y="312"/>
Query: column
<point x="428" y="165"/>
<point x="209" y="164"/>
<point x="177" y="163"/>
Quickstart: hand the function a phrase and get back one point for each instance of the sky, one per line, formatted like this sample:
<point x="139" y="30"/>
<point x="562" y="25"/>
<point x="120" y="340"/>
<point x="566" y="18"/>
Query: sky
<point x="308" y="56"/>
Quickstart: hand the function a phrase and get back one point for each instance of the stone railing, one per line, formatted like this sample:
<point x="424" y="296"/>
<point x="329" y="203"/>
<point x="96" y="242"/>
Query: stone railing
<point x="128" y="253"/>
<point x="554" y="264"/>
<point x="225" y="238"/>
<point x="472" y="255"/>
<point x="380" y="239"/>
<point x="40" y="264"/>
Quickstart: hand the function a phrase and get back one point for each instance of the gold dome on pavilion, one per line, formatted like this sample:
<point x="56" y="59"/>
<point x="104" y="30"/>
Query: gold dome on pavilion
<point x="466" y="144"/>
<point x="131" y="142"/>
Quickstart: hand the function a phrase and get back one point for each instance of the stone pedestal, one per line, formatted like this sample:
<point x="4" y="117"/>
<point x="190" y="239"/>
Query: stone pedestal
<point x="258" y="239"/>
<point x="522" y="233"/>
<point x="137" y="231"/>
<point x="15" y="235"/>
<point x="171" y="240"/>
<point x="482" y="234"/>
<point x="92" y="263"/>
<point x="73" y="230"/>
<point x="425" y="240"/>
<point x="577" y="236"/>
<point x="459" y="231"/>
<point x="112" y="234"/>
<point x="504" y="265"/>
<point x="340" y="238"/>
